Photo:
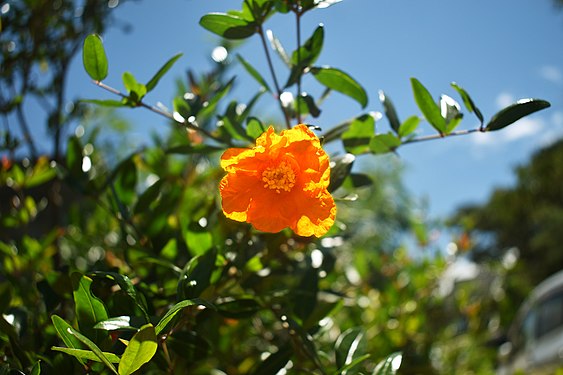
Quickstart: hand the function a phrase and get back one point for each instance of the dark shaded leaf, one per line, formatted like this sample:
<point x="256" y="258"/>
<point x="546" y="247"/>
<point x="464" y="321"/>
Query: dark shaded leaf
<point x="196" y="275"/>
<point x="239" y="308"/>
<point x="468" y="102"/>
<point x="340" y="81"/>
<point x="390" y="111"/>
<point x="125" y="181"/>
<point x="515" y="112"/>
<point x="161" y="72"/>
<point x="227" y="25"/>
<point x="275" y="361"/>
<point x="307" y="54"/>
<point x="169" y="318"/>
<point x="429" y="108"/>
<point x="360" y="180"/>
<point x="350" y="345"/>
<point x="94" y="57"/>
<point x="307" y="105"/>
<point x="340" y="168"/>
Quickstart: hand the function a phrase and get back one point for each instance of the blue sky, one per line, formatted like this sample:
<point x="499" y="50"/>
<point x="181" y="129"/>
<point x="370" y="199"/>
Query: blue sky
<point x="499" y="51"/>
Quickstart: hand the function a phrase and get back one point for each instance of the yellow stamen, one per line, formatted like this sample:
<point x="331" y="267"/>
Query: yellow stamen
<point x="280" y="177"/>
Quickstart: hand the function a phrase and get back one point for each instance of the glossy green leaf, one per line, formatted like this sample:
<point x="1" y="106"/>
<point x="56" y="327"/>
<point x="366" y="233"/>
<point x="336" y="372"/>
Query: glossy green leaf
<point x="307" y="54"/>
<point x="468" y="102"/>
<point x="350" y="345"/>
<point x="429" y="108"/>
<point x="340" y="81"/>
<point x="89" y="308"/>
<point x="118" y="322"/>
<point x="340" y="168"/>
<point x="254" y="73"/>
<point x="92" y="346"/>
<point x="168" y="319"/>
<point x="86" y="355"/>
<point x="136" y="90"/>
<point x="350" y="366"/>
<point x="356" y="139"/>
<point x="384" y="143"/>
<point x="390" y="111"/>
<point x="62" y="328"/>
<point x="451" y="112"/>
<point x="390" y="365"/>
<point x="515" y="112"/>
<point x="140" y="350"/>
<point x="161" y="72"/>
<point x="227" y="25"/>
<point x="94" y="57"/>
<point x="409" y="126"/>
<point x="254" y="127"/>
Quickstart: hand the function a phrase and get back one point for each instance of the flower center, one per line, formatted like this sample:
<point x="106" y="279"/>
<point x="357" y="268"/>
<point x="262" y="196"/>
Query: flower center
<point x="280" y="177"/>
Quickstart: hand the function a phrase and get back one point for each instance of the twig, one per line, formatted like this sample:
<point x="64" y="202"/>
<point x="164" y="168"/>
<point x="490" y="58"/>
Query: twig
<point x="298" y="23"/>
<point x="438" y="136"/>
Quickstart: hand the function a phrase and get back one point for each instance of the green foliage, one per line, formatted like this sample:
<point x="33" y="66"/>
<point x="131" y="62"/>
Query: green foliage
<point x="133" y="266"/>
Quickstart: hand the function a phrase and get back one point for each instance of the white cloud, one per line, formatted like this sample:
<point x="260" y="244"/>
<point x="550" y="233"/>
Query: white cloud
<point x="551" y="73"/>
<point x="504" y="99"/>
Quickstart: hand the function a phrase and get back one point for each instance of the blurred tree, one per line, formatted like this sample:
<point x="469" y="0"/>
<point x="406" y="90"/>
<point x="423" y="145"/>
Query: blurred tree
<point x="527" y="217"/>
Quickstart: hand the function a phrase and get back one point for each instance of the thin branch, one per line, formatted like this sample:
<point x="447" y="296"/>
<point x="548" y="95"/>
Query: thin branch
<point x="272" y="71"/>
<point x="26" y="132"/>
<point x="190" y="124"/>
<point x="298" y="23"/>
<point x="438" y="136"/>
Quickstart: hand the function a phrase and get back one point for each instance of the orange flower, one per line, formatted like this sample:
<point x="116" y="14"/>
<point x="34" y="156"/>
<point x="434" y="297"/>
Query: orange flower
<point x="281" y="182"/>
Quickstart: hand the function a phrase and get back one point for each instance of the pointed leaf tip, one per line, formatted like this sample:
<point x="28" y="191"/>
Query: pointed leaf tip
<point x="515" y="112"/>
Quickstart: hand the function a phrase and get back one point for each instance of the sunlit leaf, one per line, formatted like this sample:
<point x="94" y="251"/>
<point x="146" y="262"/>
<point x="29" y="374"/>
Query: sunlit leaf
<point x="86" y="355"/>
<point x="278" y="47"/>
<point x="136" y="90"/>
<point x="254" y="73"/>
<point x="141" y="348"/>
<point x="254" y="127"/>
<point x="105" y="102"/>
<point x="356" y="139"/>
<point x="61" y="326"/>
<point x="408" y="126"/>
<point x="161" y="72"/>
<point x="89" y="308"/>
<point x="350" y="345"/>
<point x="94" y="57"/>
<point x="384" y="143"/>
<point x="429" y="108"/>
<point x="228" y="26"/>
<point x="515" y="112"/>
<point x="390" y="365"/>
<point x="308" y="53"/>
<point x="119" y="322"/>
<point x="390" y="111"/>
<point x="340" y="81"/>
<point x="451" y="112"/>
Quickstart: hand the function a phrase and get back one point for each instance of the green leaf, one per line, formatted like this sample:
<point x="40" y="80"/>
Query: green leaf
<point x="41" y="173"/>
<point x="140" y="350"/>
<point x="36" y="370"/>
<point x="307" y="105"/>
<point x="196" y="275"/>
<point x="126" y="285"/>
<point x="136" y="90"/>
<point x="94" y="58"/>
<point x="93" y="347"/>
<point x="390" y="111"/>
<point x="356" y="139"/>
<point x="89" y="308"/>
<point x="349" y="345"/>
<point x="409" y="126"/>
<point x="254" y="127"/>
<point x="340" y="81"/>
<point x="119" y="322"/>
<point x="86" y="355"/>
<point x="125" y="181"/>
<point x="161" y="72"/>
<point x="429" y="108"/>
<point x="389" y="365"/>
<point x="356" y="361"/>
<point x="61" y="326"/>
<point x="198" y="240"/>
<point x="340" y="168"/>
<point x="515" y="112"/>
<point x="468" y="102"/>
<point x="451" y="112"/>
<point x="307" y="54"/>
<point x="168" y="319"/>
<point x="212" y="104"/>
<point x="384" y="143"/>
<point x="254" y="73"/>
<point x="275" y="361"/>
<point x="227" y="25"/>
